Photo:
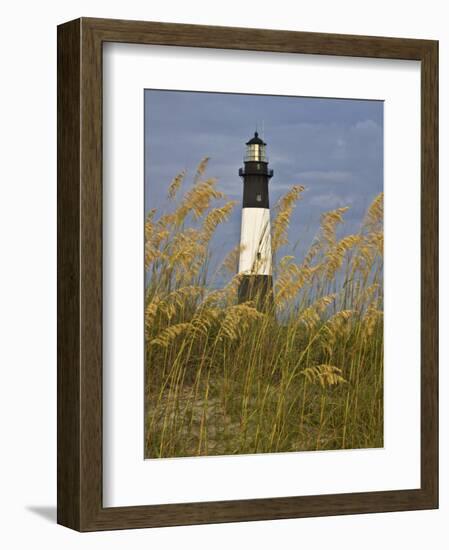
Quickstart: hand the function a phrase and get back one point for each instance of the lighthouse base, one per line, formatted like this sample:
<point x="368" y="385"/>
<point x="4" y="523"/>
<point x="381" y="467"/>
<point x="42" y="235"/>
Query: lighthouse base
<point x="257" y="288"/>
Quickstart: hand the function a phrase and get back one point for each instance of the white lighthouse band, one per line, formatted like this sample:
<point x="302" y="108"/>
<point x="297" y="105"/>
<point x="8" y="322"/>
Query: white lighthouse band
<point x="255" y="261"/>
<point x="255" y="242"/>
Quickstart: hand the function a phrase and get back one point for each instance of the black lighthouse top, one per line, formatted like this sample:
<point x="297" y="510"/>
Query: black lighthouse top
<point x="255" y="150"/>
<point x="255" y="140"/>
<point x="255" y="174"/>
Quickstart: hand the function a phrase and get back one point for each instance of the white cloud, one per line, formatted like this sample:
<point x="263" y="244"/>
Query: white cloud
<point x="324" y="176"/>
<point x="330" y="200"/>
<point x="366" y="126"/>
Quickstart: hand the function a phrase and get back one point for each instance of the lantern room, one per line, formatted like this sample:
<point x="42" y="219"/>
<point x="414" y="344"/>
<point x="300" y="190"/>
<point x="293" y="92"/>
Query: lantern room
<point x="255" y="150"/>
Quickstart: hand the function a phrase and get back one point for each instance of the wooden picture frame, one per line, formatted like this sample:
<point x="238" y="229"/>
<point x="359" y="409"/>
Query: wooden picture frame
<point x="80" y="504"/>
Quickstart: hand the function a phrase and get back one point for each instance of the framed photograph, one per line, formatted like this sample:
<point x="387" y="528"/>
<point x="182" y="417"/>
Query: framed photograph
<point x="247" y="274"/>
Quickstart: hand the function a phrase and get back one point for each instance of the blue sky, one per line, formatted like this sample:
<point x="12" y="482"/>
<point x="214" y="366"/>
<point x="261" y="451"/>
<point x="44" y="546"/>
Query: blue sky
<point x="334" y="147"/>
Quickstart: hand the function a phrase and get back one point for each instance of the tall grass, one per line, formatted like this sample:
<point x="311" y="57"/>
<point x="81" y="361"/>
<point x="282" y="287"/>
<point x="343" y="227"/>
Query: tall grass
<point x="226" y="378"/>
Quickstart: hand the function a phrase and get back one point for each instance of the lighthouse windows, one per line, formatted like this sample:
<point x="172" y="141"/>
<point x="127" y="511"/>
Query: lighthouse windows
<point x="255" y="152"/>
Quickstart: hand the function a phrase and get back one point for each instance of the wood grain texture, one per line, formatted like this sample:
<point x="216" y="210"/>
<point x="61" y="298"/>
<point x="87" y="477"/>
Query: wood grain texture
<point x="69" y="409"/>
<point x="80" y="274"/>
<point x="429" y="271"/>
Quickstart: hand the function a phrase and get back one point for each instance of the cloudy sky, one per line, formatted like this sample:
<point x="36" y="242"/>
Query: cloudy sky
<point x="334" y="147"/>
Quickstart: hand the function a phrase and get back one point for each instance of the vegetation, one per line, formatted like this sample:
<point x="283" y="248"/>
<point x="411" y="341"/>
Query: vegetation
<point x="226" y="378"/>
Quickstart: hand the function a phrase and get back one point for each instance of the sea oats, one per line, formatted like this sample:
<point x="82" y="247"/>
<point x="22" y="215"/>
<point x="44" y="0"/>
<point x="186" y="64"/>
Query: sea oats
<point x="175" y="184"/>
<point x="224" y="378"/>
<point x="325" y="375"/>
<point x="284" y="210"/>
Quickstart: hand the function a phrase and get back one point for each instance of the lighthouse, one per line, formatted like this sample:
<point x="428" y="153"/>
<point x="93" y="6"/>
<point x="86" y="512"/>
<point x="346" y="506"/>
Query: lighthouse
<point x="255" y="261"/>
